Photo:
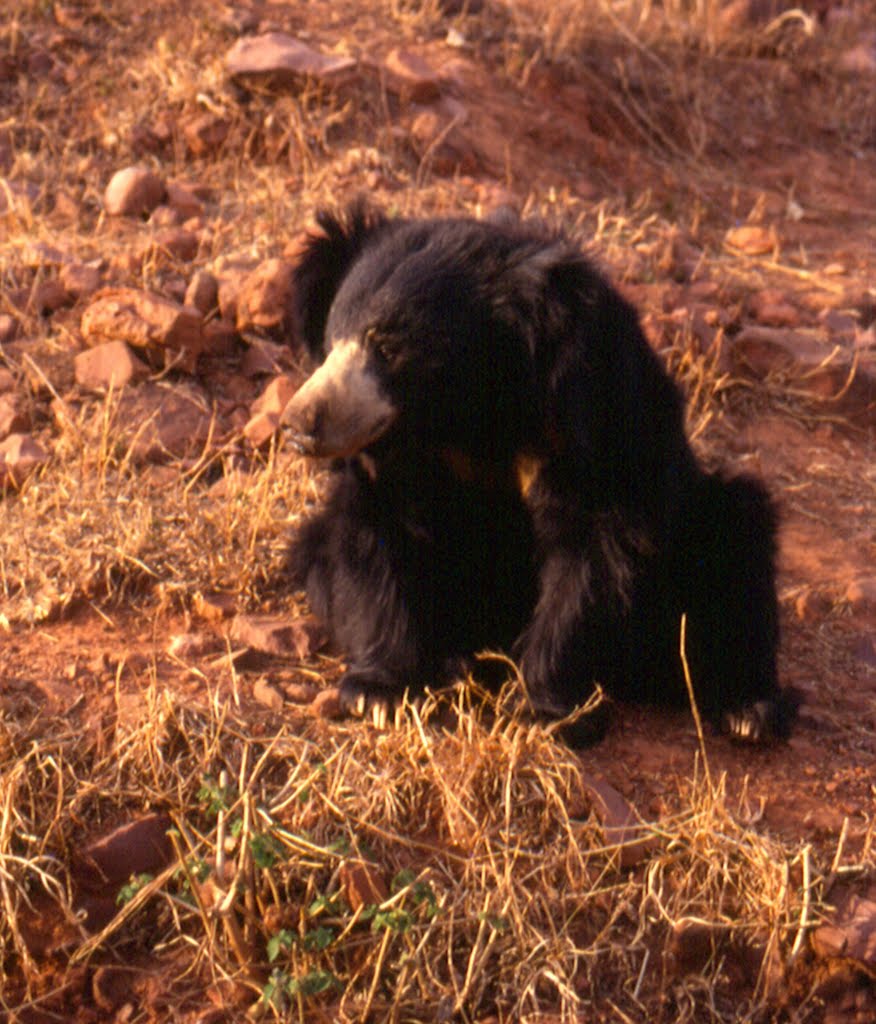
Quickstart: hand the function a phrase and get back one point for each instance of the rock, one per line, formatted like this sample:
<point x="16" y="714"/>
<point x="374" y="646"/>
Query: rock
<point x="80" y="280"/>
<point x="773" y="308"/>
<point x="692" y="944"/>
<point x="164" y="217"/>
<point x="620" y="823"/>
<point x="310" y="636"/>
<point x="167" y="332"/>
<point x="193" y="645"/>
<point x="276" y="394"/>
<point x="260" y="429"/>
<point x="230" y="282"/>
<point x="49" y="296"/>
<point x="202" y="292"/>
<point x="752" y="239"/>
<point x="439" y="135"/>
<point x="265" y="299"/>
<point x="276" y="635"/>
<point x="852" y="932"/>
<point x="327" y="704"/>
<point x="133" y="192"/>
<point x="766" y="350"/>
<point x="105" y="864"/>
<point x="220" y="338"/>
<point x="180" y="243"/>
<point x="8" y="328"/>
<point x="363" y="884"/>
<point x="112" y="365"/>
<point x="215" y="607"/>
<point x="860" y="59"/>
<point x="205" y="133"/>
<point x="266" y="410"/>
<point x="264" y="357"/>
<point x="301" y="693"/>
<point x="411" y="77"/>
<point x="861" y="594"/>
<point x="12" y="419"/>
<point x="266" y="694"/>
<point x="162" y="423"/>
<point x="183" y="200"/>
<point x="20" y="455"/>
<point x="280" y="59"/>
<point x="815" y="368"/>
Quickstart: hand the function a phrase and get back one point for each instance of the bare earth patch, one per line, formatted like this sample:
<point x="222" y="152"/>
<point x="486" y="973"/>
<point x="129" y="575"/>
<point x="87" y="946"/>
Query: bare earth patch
<point x="187" y="829"/>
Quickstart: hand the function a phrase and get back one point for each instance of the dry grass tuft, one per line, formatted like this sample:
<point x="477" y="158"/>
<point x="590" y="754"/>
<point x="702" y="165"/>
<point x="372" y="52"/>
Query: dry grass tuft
<point x="491" y="886"/>
<point x="97" y="525"/>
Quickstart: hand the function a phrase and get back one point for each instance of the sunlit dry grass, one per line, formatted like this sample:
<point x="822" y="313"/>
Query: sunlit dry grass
<point x="499" y="890"/>
<point x="503" y="894"/>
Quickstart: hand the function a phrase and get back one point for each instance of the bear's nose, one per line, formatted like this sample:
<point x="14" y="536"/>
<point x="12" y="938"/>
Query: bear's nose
<point x="303" y="424"/>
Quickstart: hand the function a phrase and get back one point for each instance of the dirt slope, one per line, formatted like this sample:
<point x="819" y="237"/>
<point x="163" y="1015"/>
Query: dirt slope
<point x="658" y="141"/>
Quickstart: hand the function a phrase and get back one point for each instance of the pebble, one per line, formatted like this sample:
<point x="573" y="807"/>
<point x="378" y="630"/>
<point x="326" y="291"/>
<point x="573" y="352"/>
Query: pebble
<point x="133" y="192"/>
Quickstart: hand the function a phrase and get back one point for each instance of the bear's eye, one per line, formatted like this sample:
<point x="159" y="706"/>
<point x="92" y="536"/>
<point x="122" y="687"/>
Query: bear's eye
<point x="381" y="345"/>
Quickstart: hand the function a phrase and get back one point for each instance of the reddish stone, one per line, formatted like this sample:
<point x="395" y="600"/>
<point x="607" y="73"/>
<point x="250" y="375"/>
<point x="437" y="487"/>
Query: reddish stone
<point x="183" y="200"/>
<point x="13" y="420"/>
<point x="20" y="455"/>
<point x="180" y="243"/>
<point x="277" y="635"/>
<point x="8" y="328"/>
<point x="205" y="133"/>
<point x="412" y="77"/>
<point x="283" y="60"/>
<point x="167" y="331"/>
<point x="133" y="192"/>
<point x="264" y="357"/>
<point x="363" y="884"/>
<point x="80" y="280"/>
<point x="215" y="607"/>
<point x="327" y="704"/>
<point x="202" y="292"/>
<point x="265" y="298"/>
<point x="112" y="365"/>
<point x="620" y="823"/>
<point x="752" y="239"/>
<point x="220" y="337"/>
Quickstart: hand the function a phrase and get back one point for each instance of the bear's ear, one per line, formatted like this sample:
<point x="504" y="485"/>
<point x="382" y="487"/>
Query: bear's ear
<point x="328" y="253"/>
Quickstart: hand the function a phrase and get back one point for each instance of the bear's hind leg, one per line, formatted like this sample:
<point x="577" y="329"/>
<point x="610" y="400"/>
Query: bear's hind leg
<point x="733" y="624"/>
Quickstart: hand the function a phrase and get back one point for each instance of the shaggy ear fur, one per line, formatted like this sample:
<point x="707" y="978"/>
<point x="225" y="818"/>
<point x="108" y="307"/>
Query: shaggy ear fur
<point x="327" y="256"/>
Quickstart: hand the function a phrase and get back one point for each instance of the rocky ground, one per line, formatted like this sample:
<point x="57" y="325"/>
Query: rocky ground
<point x="156" y="173"/>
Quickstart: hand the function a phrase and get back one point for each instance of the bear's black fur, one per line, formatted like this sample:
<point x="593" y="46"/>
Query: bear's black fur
<point x="456" y="351"/>
<point x="415" y="569"/>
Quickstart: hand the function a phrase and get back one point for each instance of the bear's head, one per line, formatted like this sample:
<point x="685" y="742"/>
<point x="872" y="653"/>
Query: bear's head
<point x="422" y="329"/>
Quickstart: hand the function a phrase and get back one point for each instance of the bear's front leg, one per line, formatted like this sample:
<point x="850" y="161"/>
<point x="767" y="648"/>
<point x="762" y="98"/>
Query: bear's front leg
<point x="567" y="646"/>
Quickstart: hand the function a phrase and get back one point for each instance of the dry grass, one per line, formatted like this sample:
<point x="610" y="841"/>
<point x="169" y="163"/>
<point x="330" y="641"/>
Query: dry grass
<point x="96" y="525"/>
<point x="505" y="898"/>
<point x="501" y="895"/>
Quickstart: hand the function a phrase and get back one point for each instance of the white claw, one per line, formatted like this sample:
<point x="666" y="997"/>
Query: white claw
<point x="378" y="714"/>
<point x="359" y="706"/>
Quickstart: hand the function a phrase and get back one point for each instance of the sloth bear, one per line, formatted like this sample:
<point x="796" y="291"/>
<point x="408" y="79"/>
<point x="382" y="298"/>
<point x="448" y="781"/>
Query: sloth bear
<point x="511" y="472"/>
